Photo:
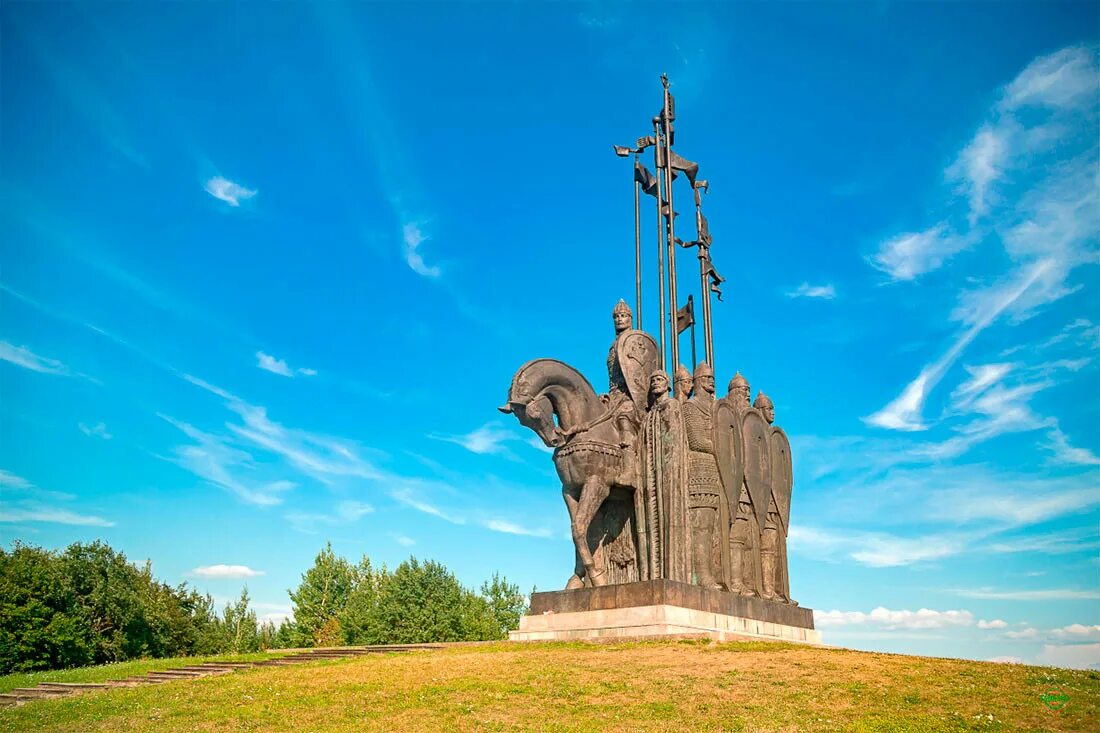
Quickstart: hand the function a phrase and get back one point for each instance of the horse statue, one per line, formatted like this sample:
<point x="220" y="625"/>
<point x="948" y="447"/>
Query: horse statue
<point x="587" y="462"/>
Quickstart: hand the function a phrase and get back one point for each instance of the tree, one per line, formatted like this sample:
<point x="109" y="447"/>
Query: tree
<point x="240" y="626"/>
<point x="506" y="605"/>
<point x="322" y="595"/>
<point x="358" y="620"/>
<point x="422" y="602"/>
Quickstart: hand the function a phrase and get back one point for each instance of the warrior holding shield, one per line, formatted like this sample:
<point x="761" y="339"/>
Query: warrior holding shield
<point x="773" y="540"/>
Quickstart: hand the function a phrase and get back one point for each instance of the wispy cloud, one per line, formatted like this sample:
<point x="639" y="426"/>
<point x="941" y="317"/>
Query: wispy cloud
<point x="322" y="457"/>
<point x="912" y="254"/>
<point x="489" y="438"/>
<point x="25" y="502"/>
<point x="1058" y="594"/>
<point x="805" y="290"/>
<point x="404" y="541"/>
<point x="51" y="515"/>
<point x="24" y="357"/>
<point x="346" y="512"/>
<point x="211" y="458"/>
<point x="414" y="237"/>
<point x="279" y="366"/>
<point x="500" y="525"/>
<point x="409" y="498"/>
<point x="228" y="191"/>
<point x="994" y="624"/>
<point x="1068" y="454"/>
<point x="1028" y="177"/>
<point x="225" y="572"/>
<point x="99" y="430"/>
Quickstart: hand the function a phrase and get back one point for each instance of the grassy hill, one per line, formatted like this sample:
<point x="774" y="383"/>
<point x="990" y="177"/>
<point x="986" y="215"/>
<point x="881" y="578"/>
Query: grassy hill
<point x="652" y="686"/>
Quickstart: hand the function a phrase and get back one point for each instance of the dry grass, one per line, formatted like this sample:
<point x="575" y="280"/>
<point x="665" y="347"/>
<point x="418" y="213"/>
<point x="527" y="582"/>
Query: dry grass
<point x="657" y="686"/>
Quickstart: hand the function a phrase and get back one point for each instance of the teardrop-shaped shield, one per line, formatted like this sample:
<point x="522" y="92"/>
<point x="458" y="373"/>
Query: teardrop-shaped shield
<point x="756" y="434"/>
<point x="637" y="359"/>
<point x="782" y="474"/>
<point x="729" y="448"/>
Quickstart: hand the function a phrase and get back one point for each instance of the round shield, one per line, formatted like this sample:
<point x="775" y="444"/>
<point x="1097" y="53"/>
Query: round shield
<point x="756" y="434"/>
<point x="729" y="448"/>
<point x="782" y="473"/>
<point x="637" y="359"/>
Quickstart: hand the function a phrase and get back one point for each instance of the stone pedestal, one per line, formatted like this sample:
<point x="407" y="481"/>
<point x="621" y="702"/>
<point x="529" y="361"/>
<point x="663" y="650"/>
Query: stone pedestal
<point x="657" y="608"/>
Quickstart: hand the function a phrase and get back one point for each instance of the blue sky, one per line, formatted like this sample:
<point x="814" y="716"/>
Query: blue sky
<point x="267" y="272"/>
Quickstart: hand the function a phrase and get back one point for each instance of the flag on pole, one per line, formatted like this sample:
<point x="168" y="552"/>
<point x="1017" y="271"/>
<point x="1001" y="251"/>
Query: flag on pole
<point x="685" y="317"/>
<point x="647" y="179"/>
<point x="679" y="164"/>
<point x="716" y="280"/>
<point x="704" y="229"/>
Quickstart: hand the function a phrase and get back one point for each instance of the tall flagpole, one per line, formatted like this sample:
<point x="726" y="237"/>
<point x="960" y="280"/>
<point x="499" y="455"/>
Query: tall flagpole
<point x="670" y="235"/>
<point x="660" y="251"/>
<point x="637" y="243"/>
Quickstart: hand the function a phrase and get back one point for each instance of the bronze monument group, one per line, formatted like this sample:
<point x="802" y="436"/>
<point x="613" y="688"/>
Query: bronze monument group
<point x="663" y="479"/>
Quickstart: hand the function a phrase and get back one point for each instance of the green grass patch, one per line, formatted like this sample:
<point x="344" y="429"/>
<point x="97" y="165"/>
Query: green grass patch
<point x="651" y="686"/>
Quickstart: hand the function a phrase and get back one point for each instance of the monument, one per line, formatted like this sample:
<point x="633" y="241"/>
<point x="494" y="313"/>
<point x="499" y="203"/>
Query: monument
<point x="679" y="500"/>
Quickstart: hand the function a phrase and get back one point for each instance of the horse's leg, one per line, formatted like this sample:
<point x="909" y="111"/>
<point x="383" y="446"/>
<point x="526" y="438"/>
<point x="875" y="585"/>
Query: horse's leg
<point x="571" y="502"/>
<point x="593" y="493"/>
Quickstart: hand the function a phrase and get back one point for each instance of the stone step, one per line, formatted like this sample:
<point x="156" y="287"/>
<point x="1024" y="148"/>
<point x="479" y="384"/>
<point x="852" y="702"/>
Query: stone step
<point x="208" y="669"/>
<point x="76" y="686"/>
<point x="36" y="693"/>
<point x="7" y="699"/>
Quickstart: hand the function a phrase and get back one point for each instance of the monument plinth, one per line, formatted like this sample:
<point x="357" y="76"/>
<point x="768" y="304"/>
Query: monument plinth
<point x="661" y="608"/>
<point x="679" y="501"/>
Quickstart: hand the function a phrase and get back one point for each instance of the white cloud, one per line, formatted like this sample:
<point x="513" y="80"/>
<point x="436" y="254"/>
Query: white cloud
<point x="489" y="438"/>
<point x="1030" y="181"/>
<point x="805" y="290"/>
<point x="24" y="357"/>
<point x="1062" y="594"/>
<point x="1077" y="633"/>
<point x="1068" y="454"/>
<point x="904" y="412"/>
<point x="99" y="430"/>
<point x="228" y="191"/>
<point x="876" y="549"/>
<point x="1051" y="543"/>
<point x="994" y="624"/>
<point x="404" y="541"/>
<point x="500" y="525"/>
<point x="1073" y="656"/>
<point x="25" y="502"/>
<point x="1027" y="633"/>
<point x="408" y="498"/>
<point x="273" y="365"/>
<point x="219" y="463"/>
<point x="909" y="255"/>
<point x="536" y="443"/>
<point x="51" y="515"/>
<point x="1006" y="660"/>
<point x="414" y="237"/>
<point x="981" y="378"/>
<point x="346" y="512"/>
<point x="10" y="481"/>
<point x="889" y="620"/>
<point x="279" y="366"/>
<point x="225" y="572"/>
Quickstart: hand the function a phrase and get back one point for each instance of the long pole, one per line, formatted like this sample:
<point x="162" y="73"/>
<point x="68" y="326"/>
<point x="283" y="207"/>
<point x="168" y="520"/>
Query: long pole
<point x="670" y="238"/>
<point x="693" y="362"/>
<point x="637" y="244"/>
<point x="704" y="278"/>
<point x="660" y="254"/>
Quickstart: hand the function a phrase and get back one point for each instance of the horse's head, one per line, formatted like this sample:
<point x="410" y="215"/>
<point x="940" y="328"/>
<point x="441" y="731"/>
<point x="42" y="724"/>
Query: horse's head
<point x="538" y="415"/>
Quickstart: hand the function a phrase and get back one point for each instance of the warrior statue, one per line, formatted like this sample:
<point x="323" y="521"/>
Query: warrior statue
<point x="704" y="488"/>
<point x="664" y="486"/>
<point x="684" y="383"/>
<point x="744" y="548"/>
<point x="739" y="391"/>
<point x="773" y="538"/>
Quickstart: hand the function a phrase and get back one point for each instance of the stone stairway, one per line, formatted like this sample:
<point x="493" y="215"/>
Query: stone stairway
<point x="47" y="690"/>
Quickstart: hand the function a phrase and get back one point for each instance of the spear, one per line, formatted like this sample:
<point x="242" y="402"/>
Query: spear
<point x="664" y="125"/>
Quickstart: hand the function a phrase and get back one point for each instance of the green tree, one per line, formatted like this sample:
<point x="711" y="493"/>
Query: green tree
<point x="422" y="602"/>
<point x="506" y="605"/>
<point x="322" y="595"/>
<point x="358" y="619"/>
<point x="240" y="625"/>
